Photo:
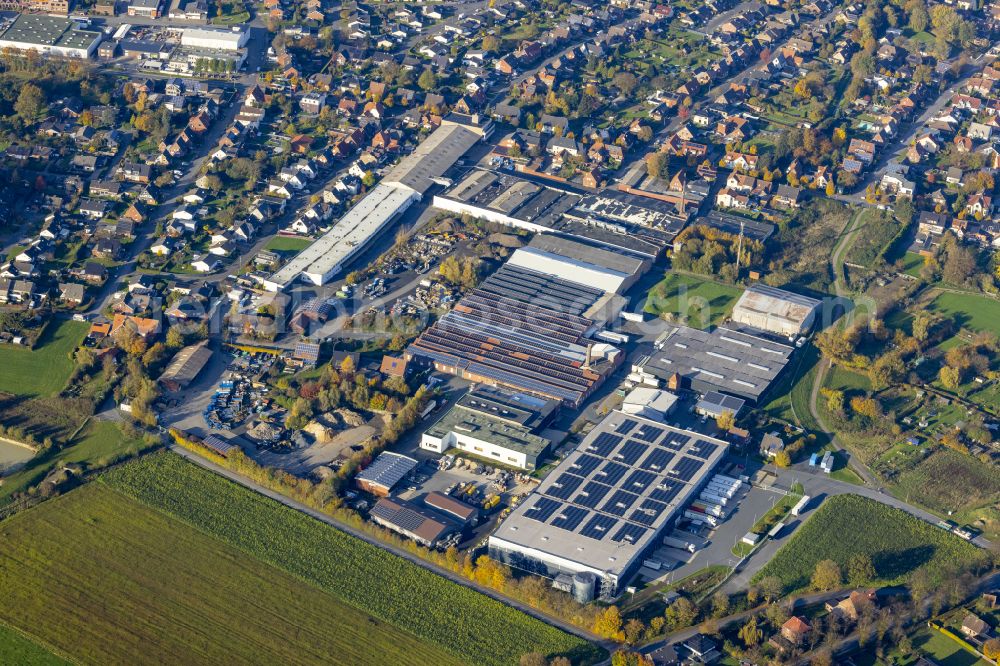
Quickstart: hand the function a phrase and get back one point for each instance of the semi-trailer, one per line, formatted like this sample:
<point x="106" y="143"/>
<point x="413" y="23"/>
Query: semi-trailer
<point x="681" y="544"/>
<point x="697" y="517"/>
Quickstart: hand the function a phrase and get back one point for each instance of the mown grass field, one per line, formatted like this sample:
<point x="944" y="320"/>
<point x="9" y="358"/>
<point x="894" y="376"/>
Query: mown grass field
<point x="703" y="302"/>
<point x="467" y="624"/>
<point x="107" y="580"/>
<point x="897" y="542"/>
<point x="972" y="311"/>
<point x="44" y="370"/>
<point x="288" y="244"/>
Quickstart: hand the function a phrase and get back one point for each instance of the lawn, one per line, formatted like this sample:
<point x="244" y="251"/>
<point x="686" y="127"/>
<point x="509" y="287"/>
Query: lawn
<point x="702" y="302"/>
<point x="288" y="244"/>
<point x="45" y="369"/>
<point x="897" y="542"/>
<point x="17" y="649"/>
<point x="845" y="379"/>
<point x="943" y="650"/>
<point x="467" y="624"/>
<point x="107" y="580"/>
<point x="971" y="311"/>
<point x="911" y="264"/>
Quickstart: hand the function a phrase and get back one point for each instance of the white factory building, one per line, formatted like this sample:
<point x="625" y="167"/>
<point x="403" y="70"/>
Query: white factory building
<point x="607" y="505"/>
<point x="49" y="35"/>
<point x="609" y="271"/>
<point x="775" y="310"/>
<point x="404" y="185"/>
<point x="217" y="39"/>
<point x="325" y="258"/>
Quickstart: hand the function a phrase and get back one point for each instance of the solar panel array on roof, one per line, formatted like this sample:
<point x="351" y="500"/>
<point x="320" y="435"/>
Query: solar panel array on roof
<point x="570" y="518"/>
<point x="625" y="427"/>
<point x="666" y="491"/>
<point x="604" y="444"/>
<point x="649" y="511"/>
<point x="631" y="452"/>
<point x="702" y="449"/>
<point x="686" y="468"/>
<point x="542" y="509"/>
<point x="565" y="485"/>
<point x="648" y="433"/>
<point x="657" y="460"/>
<point x="620" y="502"/>
<point x="623" y="484"/>
<point x="592" y="494"/>
<point x="630" y="533"/>
<point x="598" y="526"/>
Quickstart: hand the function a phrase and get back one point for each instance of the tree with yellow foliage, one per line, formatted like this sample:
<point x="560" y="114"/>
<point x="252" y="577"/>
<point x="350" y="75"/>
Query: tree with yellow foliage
<point x="608" y="624"/>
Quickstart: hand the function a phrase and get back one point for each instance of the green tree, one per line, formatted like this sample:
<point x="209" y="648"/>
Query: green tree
<point x="860" y="570"/>
<point x="427" y="80"/>
<point x="30" y="102"/>
<point x="950" y="378"/>
<point x="681" y="613"/>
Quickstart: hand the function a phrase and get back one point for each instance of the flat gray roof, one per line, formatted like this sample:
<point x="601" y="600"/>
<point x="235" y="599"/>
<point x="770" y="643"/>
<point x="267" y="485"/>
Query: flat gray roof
<point x="432" y="158"/>
<point x="48" y="31"/>
<point x="726" y="360"/>
<point x="609" y="259"/>
<point x="608" y="500"/>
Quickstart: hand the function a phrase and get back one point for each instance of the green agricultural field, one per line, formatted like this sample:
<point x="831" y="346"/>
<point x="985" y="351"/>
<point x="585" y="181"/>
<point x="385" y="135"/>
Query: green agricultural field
<point x="288" y="244"/>
<point x="897" y="542"/>
<point x="105" y="579"/>
<point x="971" y="311"/>
<point x="704" y="303"/>
<point x="17" y="649"/>
<point x="467" y="624"/>
<point x="45" y="369"/>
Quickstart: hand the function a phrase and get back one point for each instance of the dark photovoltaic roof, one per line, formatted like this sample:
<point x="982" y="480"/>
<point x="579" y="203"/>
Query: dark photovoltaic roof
<point x="387" y="470"/>
<point x="610" y="497"/>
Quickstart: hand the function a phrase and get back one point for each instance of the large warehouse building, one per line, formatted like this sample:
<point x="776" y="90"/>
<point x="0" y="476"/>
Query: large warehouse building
<point x="49" y="35"/>
<point x="775" y="310"/>
<point x="404" y="185"/>
<point x="495" y="424"/>
<point x="523" y="330"/>
<point x="613" y="219"/>
<point x="608" y="503"/>
<point x="610" y="271"/>
<point x="734" y="362"/>
<point x="217" y="39"/>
